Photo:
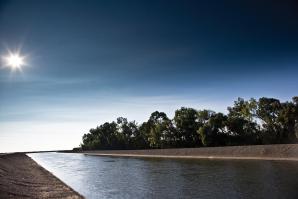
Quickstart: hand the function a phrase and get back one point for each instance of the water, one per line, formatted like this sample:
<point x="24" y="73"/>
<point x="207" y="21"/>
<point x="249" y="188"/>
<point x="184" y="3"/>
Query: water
<point x="111" y="177"/>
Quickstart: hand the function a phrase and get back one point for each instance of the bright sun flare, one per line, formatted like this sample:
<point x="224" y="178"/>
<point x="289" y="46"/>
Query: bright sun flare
<point x="14" y="61"/>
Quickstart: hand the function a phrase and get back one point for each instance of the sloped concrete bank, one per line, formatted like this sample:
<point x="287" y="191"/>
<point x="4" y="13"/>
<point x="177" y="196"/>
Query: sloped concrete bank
<point x="21" y="177"/>
<point x="262" y="152"/>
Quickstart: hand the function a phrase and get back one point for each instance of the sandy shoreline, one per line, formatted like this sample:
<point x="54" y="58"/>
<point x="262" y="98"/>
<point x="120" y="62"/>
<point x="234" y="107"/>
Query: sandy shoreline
<point x="287" y="152"/>
<point x="21" y="177"/>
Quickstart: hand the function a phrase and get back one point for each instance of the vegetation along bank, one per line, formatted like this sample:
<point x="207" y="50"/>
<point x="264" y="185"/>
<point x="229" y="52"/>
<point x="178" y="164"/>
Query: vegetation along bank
<point x="247" y="122"/>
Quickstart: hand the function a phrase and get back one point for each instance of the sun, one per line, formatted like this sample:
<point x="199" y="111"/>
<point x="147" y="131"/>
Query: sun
<point x="14" y="61"/>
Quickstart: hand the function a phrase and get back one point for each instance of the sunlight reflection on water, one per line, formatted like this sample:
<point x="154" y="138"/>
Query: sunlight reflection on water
<point x="112" y="177"/>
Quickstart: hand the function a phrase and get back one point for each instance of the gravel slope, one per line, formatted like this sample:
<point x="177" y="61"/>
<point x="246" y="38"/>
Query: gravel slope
<point x="265" y="152"/>
<point x="21" y="177"/>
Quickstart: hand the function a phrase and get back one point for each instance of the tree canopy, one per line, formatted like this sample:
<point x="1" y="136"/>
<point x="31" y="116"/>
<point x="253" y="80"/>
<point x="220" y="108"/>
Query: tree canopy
<point x="248" y="122"/>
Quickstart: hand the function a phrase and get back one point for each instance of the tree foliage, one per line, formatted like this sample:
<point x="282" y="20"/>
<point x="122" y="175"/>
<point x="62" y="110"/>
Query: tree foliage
<point x="263" y="121"/>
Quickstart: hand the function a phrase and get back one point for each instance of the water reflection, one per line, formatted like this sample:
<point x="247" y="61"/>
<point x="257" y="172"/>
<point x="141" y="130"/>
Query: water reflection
<point x="111" y="177"/>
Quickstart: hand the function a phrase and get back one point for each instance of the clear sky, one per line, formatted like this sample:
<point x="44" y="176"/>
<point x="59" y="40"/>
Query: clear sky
<point x="91" y="61"/>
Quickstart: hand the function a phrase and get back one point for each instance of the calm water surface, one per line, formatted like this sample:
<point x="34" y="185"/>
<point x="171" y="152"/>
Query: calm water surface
<point x="110" y="177"/>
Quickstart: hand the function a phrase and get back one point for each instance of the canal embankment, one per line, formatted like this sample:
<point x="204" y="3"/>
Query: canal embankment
<point x="287" y="152"/>
<point x="21" y="177"/>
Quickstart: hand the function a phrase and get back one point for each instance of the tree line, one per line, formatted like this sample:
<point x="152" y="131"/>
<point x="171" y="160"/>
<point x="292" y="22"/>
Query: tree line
<point x="248" y="122"/>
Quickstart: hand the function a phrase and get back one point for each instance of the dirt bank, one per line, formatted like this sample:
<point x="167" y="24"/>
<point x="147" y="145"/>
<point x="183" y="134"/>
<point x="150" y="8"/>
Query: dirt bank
<point x="21" y="177"/>
<point x="265" y="152"/>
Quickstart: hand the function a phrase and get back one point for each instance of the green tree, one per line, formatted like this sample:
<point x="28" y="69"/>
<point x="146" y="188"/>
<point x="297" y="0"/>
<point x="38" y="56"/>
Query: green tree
<point x="287" y="121"/>
<point x="242" y="122"/>
<point x="213" y="132"/>
<point x="244" y="109"/>
<point x="159" y="129"/>
<point x="125" y="133"/>
<point x="268" y="112"/>
<point x="242" y="131"/>
<point x="295" y="102"/>
<point x="186" y="122"/>
<point x="266" y="121"/>
<point x="204" y="116"/>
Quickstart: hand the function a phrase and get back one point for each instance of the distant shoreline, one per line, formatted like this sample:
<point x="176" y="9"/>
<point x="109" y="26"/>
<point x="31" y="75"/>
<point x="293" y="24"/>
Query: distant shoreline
<point x="284" y="152"/>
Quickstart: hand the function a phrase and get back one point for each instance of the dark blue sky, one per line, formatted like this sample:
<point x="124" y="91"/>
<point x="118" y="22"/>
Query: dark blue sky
<point x="91" y="61"/>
